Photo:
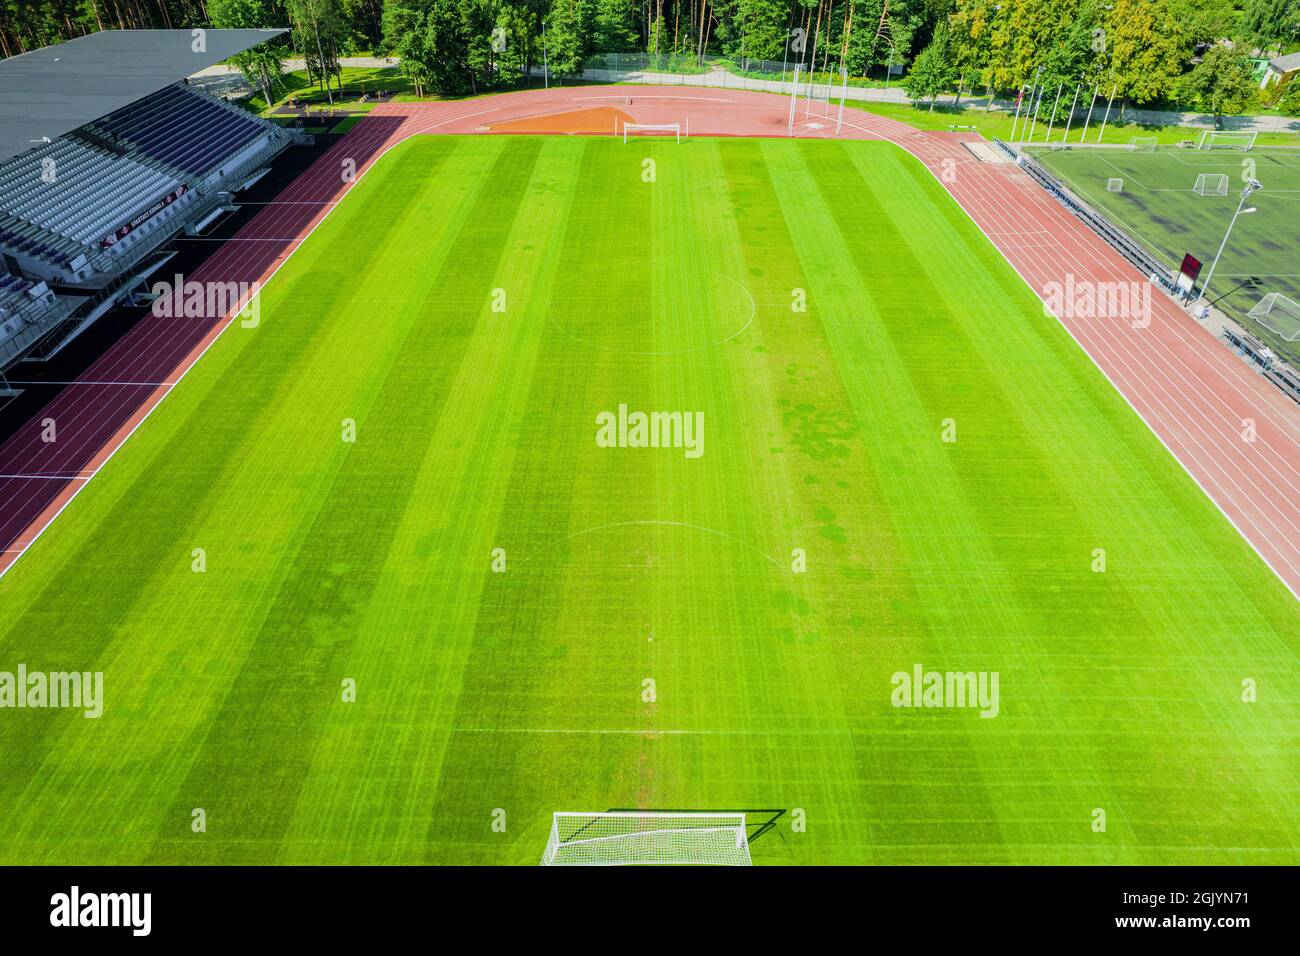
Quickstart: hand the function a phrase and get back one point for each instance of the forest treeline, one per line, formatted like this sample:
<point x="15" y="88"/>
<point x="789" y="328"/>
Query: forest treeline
<point x="1193" y="52"/>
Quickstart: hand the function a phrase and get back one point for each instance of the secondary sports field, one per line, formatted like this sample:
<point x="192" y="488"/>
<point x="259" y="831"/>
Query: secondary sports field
<point x="1157" y="206"/>
<point x="465" y="315"/>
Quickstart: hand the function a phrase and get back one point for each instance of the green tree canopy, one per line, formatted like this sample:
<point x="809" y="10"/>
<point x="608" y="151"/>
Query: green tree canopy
<point x="1221" y="84"/>
<point x="934" y="70"/>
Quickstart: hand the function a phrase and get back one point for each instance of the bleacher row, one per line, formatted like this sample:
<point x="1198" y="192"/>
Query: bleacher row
<point x="74" y="196"/>
<point x="185" y="130"/>
<point x="76" y="191"/>
<point x="16" y="295"/>
<point x="1265" y="359"/>
<point x="22" y="303"/>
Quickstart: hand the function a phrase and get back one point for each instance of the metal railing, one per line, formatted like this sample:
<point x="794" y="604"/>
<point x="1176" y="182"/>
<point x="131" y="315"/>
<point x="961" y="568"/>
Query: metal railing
<point x="1141" y="257"/>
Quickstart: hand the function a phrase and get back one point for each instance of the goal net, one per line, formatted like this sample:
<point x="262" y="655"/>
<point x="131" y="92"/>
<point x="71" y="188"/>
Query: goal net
<point x="653" y="129"/>
<point x="1142" y="144"/>
<point x="817" y="101"/>
<point x="1214" y="139"/>
<point x="622" y="838"/>
<point x="1211" y="184"/>
<point x="1279" y="315"/>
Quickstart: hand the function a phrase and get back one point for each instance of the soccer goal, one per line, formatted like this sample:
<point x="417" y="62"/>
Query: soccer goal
<point x="1279" y="315"/>
<point x="1216" y="139"/>
<point x="1114" y="185"/>
<point x="653" y="129"/>
<point x="621" y="838"/>
<point x="818" y="98"/>
<point x="1142" y="144"/>
<point x="1211" y="184"/>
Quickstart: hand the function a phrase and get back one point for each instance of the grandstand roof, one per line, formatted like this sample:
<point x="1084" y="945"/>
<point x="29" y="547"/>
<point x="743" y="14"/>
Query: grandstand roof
<point x="55" y="89"/>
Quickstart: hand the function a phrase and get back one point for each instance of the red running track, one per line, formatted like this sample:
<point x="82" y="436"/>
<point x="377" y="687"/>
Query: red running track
<point x="1189" y="388"/>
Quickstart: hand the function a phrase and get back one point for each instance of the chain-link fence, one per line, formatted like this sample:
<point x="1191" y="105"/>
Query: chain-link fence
<point x="769" y="76"/>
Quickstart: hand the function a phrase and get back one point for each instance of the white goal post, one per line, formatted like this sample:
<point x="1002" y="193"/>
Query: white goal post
<point x="1211" y="184"/>
<point x="627" y="838"/>
<point x="1218" y="139"/>
<point x="674" y="128"/>
<point x="1279" y="314"/>
<point x="1142" y="144"/>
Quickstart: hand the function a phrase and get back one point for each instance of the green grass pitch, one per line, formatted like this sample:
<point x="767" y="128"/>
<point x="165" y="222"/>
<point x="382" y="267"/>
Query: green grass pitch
<point x="1158" y="207"/>
<point x="523" y="691"/>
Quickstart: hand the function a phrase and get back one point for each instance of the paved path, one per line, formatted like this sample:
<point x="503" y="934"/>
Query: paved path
<point x="220" y="69"/>
<point x="719" y="78"/>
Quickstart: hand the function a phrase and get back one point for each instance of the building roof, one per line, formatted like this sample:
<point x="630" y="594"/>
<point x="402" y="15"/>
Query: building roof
<point x="1286" y="64"/>
<point x="53" y="90"/>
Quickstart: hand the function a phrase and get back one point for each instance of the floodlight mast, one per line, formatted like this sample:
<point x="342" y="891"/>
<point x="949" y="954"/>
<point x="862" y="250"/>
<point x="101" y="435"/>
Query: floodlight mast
<point x="844" y="88"/>
<point x="794" y="99"/>
<point x="1246" y="190"/>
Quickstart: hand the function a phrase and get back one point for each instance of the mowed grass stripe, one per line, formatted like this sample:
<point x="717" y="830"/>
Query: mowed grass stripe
<point x="216" y="610"/>
<point x="1120" y="687"/>
<point x="524" y="641"/>
<point x="811" y="452"/>
<point x="966" y="595"/>
<point x="1036" y="357"/>
<point x="134" y="537"/>
<point x="1159" y="547"/>
<point x="1170" y="522"/>
<point x="766" y="643"/>
<point x="441" y="553"/>
<point x="323" y="598"/>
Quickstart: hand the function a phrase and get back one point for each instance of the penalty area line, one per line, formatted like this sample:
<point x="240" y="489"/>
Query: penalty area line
<point x="574" y="731"/>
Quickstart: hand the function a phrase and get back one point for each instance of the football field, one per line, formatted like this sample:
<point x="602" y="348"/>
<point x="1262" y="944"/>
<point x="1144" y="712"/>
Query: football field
<point x="379" y="582"/>
<point x="1158" y="206"/>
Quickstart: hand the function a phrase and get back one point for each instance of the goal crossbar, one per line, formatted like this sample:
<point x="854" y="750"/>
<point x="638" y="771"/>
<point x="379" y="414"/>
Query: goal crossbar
<point x="629" y="838"/>
<point x="1220" y="139"/>
<point x="1211" y="184"/>
<point x="1279" y="314"/>
<point x="675" y="128"/>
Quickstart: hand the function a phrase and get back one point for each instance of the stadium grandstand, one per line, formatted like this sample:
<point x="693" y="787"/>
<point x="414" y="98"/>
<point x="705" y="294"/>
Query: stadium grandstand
<point x="88" y="208"/>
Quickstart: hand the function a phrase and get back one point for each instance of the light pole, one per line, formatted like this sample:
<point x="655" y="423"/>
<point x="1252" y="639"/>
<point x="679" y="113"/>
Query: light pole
<point x="889" y="67"/>
<point x="785" y="52"/>
<point x="794" y="99"/>
<point x="1032" y="90"/>
<point x="1251" y="186"/>
<point x="844" y="88"/>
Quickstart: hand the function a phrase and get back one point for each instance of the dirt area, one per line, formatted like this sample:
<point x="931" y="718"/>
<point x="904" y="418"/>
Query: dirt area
<point x="594" y="120"/>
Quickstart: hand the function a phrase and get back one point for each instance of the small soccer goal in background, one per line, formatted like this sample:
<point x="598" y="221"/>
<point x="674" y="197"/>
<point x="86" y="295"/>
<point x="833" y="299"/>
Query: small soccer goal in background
<point x="1279" y="315"/>
<point x="1142" y="144"/>
<point x="655" y="129"/>
<point x="1211" y="184"/>
<point x="626" y="838"/>
<point x="1216" y="139"/>
<point x="1114" y="185"/>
